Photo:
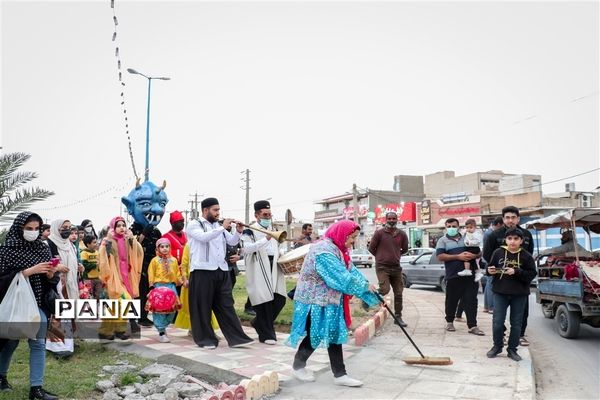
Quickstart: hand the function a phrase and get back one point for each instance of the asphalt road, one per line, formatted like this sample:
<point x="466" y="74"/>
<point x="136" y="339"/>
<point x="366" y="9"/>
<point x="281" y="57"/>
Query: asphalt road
<point x="564" y="368"/>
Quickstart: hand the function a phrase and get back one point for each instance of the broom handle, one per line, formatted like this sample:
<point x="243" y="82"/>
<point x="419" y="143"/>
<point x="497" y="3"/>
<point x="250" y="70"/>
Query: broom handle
<point x="398" y="322"/>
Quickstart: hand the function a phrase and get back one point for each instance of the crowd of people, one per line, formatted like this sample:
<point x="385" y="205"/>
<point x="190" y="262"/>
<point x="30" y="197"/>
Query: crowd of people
<point x="196" y="266"/>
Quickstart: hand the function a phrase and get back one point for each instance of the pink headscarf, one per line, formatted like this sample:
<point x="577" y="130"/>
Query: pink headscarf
<point x="113" y="224"/>
<point x="338" y="233"/>
<point x="122" y="253"/>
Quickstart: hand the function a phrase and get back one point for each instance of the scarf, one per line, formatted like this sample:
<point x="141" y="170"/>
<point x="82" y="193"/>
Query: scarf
<point x="338" y="233"/>
<point x="121" y="253"/>
<point x="164" y="258"/>
<point x="17" y="254"/>
<point x="68" y="257"/>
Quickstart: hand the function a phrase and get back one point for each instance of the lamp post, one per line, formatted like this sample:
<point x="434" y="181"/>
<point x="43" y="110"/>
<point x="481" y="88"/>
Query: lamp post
<point x="163" y="78"/>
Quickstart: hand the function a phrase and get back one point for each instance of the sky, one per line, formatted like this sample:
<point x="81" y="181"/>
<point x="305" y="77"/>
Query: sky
<point x="310" y="96"/>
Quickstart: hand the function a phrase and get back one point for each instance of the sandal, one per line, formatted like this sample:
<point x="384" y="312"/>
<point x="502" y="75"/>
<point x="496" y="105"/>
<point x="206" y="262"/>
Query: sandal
<point x="450" y="327"/>
<point x="523" y="341"/>
<point x="476" y="331"/>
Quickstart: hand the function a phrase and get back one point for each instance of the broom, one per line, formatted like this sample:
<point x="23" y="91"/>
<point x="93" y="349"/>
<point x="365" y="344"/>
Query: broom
<point x="415" y="360"/>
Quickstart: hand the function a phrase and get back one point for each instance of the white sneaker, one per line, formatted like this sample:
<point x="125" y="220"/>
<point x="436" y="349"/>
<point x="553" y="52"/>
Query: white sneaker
<point x="209" y="347"/>
<point x="270" y="342"/>
<point x="303" y="375"/>
<point x="164" y="339"/>
<point x="242" y="344"/>
<point x="478" y="276"/>
<point x="465" y="272"/>
<point x="345" y="380"/>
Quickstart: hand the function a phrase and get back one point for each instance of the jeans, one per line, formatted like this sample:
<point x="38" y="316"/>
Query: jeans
<point x="488" y="296"/>
<point x="517" y="308"/>
<point x="37" y="354"/>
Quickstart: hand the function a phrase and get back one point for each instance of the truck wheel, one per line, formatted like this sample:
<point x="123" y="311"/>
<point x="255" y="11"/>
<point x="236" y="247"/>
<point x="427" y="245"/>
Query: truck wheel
<point x="443" y="284"/>
<point x="568" y="322"/>
<point x="406" y="281"/>
<point x="547" y="310"/>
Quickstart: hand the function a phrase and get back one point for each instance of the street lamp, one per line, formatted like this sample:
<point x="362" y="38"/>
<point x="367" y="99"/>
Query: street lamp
<point x="163" y="78"/>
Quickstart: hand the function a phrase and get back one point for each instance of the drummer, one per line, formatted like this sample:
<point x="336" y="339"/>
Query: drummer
<point x="264" y="279"/>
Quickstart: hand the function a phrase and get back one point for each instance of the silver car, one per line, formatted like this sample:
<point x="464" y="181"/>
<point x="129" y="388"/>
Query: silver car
<point x="426" y="269"/>
<point x="362" y="257"/>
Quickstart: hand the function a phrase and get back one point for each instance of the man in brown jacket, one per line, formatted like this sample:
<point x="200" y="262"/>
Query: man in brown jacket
<point x="388" y="245"/>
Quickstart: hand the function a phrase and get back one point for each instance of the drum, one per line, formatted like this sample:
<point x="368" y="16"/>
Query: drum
<point x="162" y="300"/>
<point x="291" y="262"/>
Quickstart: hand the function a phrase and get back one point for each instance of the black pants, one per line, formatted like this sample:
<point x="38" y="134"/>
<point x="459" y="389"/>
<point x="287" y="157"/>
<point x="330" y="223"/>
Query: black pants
<point x="211" y="291"/>
<point x="462" y="288"/>
<point x="460" y="309"/>
<point x="336" y="356"/>
<point x="266" y="314"/>
<point x="525" y="316"/>
<point x="144" y="288"/>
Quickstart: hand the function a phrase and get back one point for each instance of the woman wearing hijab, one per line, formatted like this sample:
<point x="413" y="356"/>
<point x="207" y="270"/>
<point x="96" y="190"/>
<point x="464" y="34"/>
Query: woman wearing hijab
<point x="321" y="303"/>
<point x="23" y="251"/>
<point x="62" y="247"/>
<point x="88" y="228"/>
<point x="120" y="265"/>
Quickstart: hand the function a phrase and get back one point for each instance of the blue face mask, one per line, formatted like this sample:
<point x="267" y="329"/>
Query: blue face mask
<point x="265" y="223"/>
<point x="452" y="231"/>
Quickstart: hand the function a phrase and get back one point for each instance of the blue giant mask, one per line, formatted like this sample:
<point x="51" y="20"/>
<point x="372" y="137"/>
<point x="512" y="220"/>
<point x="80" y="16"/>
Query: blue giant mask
<point x="146" y="203"/>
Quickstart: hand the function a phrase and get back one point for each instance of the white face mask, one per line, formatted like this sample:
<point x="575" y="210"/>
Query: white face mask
<point x="30" y="236"/>
<point x="88" y="229"/>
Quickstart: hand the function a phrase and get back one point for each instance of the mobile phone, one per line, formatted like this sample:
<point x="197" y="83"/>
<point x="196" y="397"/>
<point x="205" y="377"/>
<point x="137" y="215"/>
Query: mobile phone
<point x="54" y="261"/>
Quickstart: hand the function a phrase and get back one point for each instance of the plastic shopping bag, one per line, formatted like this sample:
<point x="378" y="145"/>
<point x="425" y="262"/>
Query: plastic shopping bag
<point x="19" y="312"/>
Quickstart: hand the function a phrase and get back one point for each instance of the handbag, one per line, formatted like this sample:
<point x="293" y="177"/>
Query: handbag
<point x="19" y="312"/>
<point x="55" y="332"/>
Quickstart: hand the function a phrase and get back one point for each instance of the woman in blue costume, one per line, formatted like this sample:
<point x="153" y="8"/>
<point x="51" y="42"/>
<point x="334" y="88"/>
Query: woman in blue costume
<point x="327" y="281"/>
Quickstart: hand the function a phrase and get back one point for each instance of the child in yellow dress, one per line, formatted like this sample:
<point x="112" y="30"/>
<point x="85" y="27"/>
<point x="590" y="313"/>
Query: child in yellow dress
<point x="163" y="271"/>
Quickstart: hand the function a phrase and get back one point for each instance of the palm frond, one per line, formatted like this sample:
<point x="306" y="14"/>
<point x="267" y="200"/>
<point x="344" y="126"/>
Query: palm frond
<point x="21" y="200"/>
<point x="14" y="181"/>
<point x="11" y="162"/>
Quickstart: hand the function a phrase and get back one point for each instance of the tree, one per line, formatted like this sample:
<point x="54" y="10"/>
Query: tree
<point x="13" y="197"/>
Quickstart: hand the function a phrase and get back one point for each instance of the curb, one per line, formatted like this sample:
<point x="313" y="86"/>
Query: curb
<point x="367" y="330"/>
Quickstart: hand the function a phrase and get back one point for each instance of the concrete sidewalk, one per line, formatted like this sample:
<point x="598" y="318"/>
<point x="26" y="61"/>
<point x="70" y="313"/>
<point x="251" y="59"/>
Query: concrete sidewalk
<point x="378" y="364"/>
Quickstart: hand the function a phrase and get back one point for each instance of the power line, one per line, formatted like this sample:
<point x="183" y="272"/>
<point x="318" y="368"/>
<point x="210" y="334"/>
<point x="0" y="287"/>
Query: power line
<point x="89" y="198"/>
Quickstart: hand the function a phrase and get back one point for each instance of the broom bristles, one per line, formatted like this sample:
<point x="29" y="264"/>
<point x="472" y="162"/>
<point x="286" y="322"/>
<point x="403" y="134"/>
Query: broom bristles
<point x="428" y="360"/>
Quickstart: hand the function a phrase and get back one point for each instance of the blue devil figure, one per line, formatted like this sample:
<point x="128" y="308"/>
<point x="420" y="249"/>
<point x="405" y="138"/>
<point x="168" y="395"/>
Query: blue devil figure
<point x="146" y="204"/>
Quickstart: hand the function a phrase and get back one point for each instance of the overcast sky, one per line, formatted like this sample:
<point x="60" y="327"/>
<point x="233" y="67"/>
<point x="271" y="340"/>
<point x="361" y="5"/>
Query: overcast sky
<point x="310" y="96"/>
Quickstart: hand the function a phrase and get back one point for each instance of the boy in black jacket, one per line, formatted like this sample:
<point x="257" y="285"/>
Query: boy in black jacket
<point x="512" y="269"/>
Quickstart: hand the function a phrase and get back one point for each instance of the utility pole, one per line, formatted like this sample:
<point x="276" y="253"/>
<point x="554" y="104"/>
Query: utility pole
<point x="246" y="180"/>
<point x="194" y="205"/>
<point x="355" y="203"/>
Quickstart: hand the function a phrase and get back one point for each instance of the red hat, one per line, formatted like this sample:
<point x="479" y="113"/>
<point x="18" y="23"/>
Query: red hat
<point x="175" y="217"/>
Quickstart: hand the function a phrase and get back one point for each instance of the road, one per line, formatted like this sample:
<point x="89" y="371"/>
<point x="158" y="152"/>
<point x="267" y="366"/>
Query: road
<point x="564" y="368"/>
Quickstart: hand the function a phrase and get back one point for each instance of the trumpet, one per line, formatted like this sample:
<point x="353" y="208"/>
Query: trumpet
<point x="280" y="236"/>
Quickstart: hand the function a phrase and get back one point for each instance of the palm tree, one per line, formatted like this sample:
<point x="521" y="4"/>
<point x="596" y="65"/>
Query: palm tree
<point x="13" y="197"/>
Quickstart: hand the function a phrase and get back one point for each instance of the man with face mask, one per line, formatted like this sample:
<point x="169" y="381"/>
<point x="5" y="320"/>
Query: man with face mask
<point x="265" y="281"/>
<point x="452" y="251"/>
<point x="388" y="245"/>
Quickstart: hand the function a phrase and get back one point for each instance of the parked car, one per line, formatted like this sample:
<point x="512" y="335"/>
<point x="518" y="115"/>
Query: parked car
<point x="426" y="269"/>
<point x="415" y="252"/>
<point x="362" y="257"/>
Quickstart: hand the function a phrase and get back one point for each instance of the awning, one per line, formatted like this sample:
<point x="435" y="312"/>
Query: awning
<point x="583" y="217"/>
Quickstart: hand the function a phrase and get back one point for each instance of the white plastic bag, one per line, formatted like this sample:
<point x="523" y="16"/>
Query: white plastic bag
<point x="19" y="312"/>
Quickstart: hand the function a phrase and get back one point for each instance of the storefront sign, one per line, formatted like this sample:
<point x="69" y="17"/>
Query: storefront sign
<point x="406" y="212"/>
<point x="425" y="212"/>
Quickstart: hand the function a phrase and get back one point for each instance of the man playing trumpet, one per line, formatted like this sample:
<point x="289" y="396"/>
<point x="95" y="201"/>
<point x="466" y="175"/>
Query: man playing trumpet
<point x="264" y="279"/>
<point x="210" y="282"/>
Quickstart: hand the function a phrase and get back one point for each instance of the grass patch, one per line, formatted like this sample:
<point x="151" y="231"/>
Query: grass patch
<point x="240" y="295"/>
<point x="74" y="378"/>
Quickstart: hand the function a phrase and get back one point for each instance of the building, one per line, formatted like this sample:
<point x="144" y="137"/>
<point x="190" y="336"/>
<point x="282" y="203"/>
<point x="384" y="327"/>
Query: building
<point x="371" y="207"/>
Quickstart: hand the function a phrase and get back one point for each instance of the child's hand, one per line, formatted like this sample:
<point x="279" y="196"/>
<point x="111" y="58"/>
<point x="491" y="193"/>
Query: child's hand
<point x="491" y="270"/>
<point x="186" y="283"/>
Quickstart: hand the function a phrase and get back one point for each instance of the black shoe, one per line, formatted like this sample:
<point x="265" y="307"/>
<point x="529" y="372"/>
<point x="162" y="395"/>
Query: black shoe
<point x="37" y="393"/>
<point x="494" y="351"/>
<point x="122" y="335"/>
<point x="402" y="323"/>
<point x="135" y="328"/>
<point x="4" y="385"/>
<point x="512" y="354"/>
<point x="250" y="311"/>
<point x="145" y="322"/>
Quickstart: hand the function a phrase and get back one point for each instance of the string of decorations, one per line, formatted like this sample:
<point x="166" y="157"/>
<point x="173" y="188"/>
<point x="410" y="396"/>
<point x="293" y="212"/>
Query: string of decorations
<point x="122" y="82"/>
<point x="114" y="188"/>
